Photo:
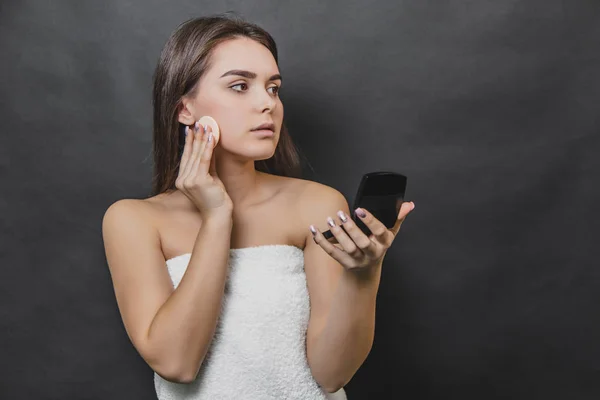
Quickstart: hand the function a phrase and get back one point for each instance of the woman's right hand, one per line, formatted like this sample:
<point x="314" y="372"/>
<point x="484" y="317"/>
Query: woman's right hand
<point x="198" y="178"/>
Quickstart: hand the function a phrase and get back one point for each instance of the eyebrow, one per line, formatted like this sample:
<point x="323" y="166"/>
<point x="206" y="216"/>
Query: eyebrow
<point x="249" y="75"/>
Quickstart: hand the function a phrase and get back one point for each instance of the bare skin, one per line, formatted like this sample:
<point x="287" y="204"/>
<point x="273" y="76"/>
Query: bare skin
<point x="172" y="328"/>
<point x="274" y="219"/>
<point x="229" y="205"/>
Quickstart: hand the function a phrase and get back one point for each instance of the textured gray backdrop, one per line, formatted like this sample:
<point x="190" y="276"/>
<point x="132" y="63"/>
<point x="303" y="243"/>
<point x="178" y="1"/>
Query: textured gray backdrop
<point x="492" y="288"/>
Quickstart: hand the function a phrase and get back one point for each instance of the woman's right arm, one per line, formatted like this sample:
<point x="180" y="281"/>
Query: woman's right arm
<point x="170" y="328"/>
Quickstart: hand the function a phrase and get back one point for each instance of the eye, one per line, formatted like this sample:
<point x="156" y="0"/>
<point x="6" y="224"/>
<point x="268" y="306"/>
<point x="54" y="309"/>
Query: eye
<point x="239" y="84"/>
<point x="276" y="89"/>
<point x="275" y="92"/>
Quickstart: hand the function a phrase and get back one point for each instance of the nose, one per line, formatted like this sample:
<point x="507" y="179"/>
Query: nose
<point x="266" y="101"/>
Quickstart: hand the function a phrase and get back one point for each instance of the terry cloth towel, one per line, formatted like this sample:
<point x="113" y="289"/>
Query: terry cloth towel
<point x="259" y="347"/>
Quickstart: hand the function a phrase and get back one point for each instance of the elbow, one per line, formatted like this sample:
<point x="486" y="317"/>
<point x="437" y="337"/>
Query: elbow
<point x="333" y="389"/>
<point x="330" y="386"/>
<point x="184" y="378"/>
<point x="176" y="375"/>
<point x="327" y="380"/>
<point x="175" y="372"/>
<point x="187" y="376"/>
<point x="333" y="386"/>
<point x="174" y="369"/>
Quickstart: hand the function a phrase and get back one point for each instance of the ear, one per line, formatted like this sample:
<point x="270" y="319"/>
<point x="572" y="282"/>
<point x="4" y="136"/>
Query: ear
<point x="186" y="113"/>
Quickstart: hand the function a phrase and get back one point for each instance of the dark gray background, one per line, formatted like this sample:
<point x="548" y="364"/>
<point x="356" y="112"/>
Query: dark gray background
<point x="490" y="108"/>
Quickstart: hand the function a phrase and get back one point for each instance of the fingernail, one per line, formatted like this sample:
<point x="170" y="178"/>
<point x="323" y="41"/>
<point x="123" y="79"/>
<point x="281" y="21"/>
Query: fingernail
<point x="360" y="212"/>
<point x="313" y="230"/>
<point x="342" y="216"/>
<point x="187" y="128"/>
<point x="210" y="137"/>
<point x="197" y="125"/>
<point x="205" y="128"/>
<point x="413" y="205"/>
<point x="330" y="222"/>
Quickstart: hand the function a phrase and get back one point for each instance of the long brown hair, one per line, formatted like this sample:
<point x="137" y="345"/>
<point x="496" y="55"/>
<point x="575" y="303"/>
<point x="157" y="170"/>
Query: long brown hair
<point x="183" y="61"/>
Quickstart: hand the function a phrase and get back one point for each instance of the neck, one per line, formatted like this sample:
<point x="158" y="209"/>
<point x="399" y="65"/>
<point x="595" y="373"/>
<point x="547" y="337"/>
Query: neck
<point x="243" y="183"/>
<point x="241" y="180"/>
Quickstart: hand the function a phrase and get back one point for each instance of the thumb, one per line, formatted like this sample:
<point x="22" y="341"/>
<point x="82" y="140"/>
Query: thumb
<point x="405" y="209"/>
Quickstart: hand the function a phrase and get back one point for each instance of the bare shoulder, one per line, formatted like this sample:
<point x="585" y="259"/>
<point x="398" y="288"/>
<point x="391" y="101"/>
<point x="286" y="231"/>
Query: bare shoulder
<point x="129" y="219"/>
<point x="149" y="209"/>
<point x="137" y="268"/>
<point x="306" y="194"/>
<point x="317" y="193"/>
<point x="126" y="211"/>
<point x="316" y="201"/>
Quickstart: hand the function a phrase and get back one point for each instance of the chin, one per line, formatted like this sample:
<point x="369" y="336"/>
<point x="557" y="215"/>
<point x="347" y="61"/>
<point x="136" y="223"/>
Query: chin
<point x="259" y="154"/>
<point x="263" y="155"/>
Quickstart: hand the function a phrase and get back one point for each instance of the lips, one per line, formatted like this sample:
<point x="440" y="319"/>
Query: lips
<point x="266" y="126"/>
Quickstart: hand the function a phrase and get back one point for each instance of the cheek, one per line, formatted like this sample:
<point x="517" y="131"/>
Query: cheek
<point x="231" y="123"/>
<point x="279" y="112"/>
<point x="228" y="116"/>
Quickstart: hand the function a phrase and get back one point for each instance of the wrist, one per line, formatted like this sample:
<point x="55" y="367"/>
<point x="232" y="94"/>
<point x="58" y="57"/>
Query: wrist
<point x="364" y="274"/>
<point x="220" y="217"/>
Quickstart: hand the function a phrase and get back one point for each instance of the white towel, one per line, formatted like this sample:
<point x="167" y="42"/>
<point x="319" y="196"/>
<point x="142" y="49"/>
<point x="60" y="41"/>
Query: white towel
<point x="259" y="348"/>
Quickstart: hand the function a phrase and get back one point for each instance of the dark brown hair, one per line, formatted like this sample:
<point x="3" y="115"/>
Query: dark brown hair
<point x="183" y="61"/>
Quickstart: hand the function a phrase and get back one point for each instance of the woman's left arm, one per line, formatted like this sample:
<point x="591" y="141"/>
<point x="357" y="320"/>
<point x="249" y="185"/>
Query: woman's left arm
<point x="343" y="280"/>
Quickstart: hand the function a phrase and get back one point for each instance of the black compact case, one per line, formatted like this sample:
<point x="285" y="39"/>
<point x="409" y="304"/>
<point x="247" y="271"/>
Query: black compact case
<point x="382" y="194"/>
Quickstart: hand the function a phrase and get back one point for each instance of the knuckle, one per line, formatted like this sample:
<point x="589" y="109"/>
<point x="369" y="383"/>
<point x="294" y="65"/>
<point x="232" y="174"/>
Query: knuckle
<point x="356" y="252"/>
<point x="364" y="244"/>
<point x="350" y="227"/>
<point x="352" y="248"/>
<point x="380" y="231"/>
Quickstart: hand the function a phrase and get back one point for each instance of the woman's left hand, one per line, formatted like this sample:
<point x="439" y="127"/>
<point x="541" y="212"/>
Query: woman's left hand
<point x="355" y="250"/>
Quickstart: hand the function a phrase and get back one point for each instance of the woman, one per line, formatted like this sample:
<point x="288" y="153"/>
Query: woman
<point x="252" y="303"/>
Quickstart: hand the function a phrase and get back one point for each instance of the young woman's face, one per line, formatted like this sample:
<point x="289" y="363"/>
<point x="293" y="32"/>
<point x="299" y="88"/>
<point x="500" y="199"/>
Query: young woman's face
<point x="241" y="103"/>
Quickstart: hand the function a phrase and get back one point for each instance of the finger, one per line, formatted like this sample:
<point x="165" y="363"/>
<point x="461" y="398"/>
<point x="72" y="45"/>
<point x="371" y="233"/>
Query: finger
<point x="195" y="144"/>
<point x="344" y="240"/>
<point x="338" y="254"/>
<point x="332" y="239"/>
<point x="207" y="152"/>
<point x="405" y="209"/>
<point x="187" y="148"/>
<point x="196" y="167"/>
<point x="361" y="241"/>
<point x="213" y="161"/>
<point x="379" y="230"/>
